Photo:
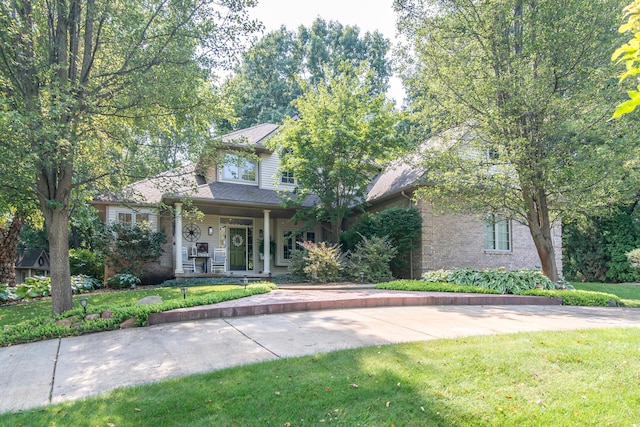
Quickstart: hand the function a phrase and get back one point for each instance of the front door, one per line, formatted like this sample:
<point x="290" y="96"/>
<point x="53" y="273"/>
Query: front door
<point x="237" y="249"/>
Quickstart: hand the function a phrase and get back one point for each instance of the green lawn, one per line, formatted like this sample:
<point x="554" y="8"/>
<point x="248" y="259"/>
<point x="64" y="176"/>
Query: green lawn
<point x="576" y="378"/>
<point x="630" y="292"/>
<point x="19" y="312"/>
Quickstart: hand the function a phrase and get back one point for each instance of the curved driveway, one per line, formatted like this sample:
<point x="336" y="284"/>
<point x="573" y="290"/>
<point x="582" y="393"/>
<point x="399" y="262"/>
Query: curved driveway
<point x="71" y="368"/>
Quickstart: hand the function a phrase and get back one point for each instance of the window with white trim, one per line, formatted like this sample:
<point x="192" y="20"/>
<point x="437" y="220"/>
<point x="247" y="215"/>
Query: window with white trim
<point x="497" y="233"/>
<point x="287" y="177"/>
<point x="134" y="218"/>
<point x="290" y="241"/>
<point x="238" y="168"/>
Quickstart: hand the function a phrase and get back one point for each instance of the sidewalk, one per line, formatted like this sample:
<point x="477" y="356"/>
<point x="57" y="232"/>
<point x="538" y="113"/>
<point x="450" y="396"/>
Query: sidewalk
<point x="72" y="368"/>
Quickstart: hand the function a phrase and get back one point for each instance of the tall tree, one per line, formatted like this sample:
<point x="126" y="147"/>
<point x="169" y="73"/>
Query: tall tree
<point x="344" y="134"/>
<point x="526" y="84"/>
<point x="81" y="77"/>
<point x="267" y="79"/>
<point x="629" y="53"/>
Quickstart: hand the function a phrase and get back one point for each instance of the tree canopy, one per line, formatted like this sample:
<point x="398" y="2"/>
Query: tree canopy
<point x="83" y="81"/>
<point x="522" y="89"/>
<point x="338" y="144"/>
<point x="629" y="53"/>
<point x="268" y="77"/>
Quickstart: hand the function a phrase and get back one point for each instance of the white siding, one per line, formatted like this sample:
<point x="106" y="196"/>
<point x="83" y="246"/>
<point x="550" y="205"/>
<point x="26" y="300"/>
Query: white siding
<point x="270" y="173"/>
<point x="113" y="211"/>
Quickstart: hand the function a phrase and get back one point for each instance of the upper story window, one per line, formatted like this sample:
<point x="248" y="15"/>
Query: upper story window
<point x="133" y="218"/>
<point x="287" y="177"/>
<point x="497" y="233"/>
<point x="238" y="168"/>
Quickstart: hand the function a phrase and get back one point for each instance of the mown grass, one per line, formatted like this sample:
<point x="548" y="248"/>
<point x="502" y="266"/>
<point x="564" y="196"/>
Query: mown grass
<point x="576" y="378"/>
<point x="629" y="294"/>
<point x="28" y="309"/>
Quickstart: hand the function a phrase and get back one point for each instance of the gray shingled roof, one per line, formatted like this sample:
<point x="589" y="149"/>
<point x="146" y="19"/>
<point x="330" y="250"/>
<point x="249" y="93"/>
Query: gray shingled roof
<point x="403" y="174"/>
<point x="254" y="136"/>
<point x="239" y="193"/>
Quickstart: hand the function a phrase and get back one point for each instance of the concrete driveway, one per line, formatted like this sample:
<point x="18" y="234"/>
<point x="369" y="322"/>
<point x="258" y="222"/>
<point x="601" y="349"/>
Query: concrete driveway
<point x="73" y="368"/>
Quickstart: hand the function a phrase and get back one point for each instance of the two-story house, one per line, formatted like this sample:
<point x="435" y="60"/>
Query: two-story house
<point x="240" y="207"/>
<point x="241" y="211"/>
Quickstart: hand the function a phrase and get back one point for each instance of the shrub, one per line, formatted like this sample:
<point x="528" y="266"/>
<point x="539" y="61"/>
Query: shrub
<point x="401" y="225"/>
<point x="372" y="256"/>
<point x="82" y="283"/>
<point x="324" y="262"/>
<point x="578" y="298"/>
<point x="594" y="249"/>
<point x="34" y="287"/>
<point x="502" y="281"/>
<point x="298" y="262"/>
<point x="129" y="248"/>
<point x="123" y="281"/>
<point x="86" y="262"/>
<point x="5" y="294"/>
<point x="419" y="285"/>
<point x="634" y="258"/>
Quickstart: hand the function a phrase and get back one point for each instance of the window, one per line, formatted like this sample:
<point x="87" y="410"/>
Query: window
<point x="287" y="177"/>
<point x="125" y="218"/>
<point x="290" y="242"/>
<point x="133" y="218"/>
<point x="237" y="168"/>
<point x="497" y="233"/>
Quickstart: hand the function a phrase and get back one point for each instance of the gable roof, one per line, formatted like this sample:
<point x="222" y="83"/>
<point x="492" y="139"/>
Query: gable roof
<point x="30" y="258"/>
<point x="401" y="175"/>
<point x="253" y="137"/>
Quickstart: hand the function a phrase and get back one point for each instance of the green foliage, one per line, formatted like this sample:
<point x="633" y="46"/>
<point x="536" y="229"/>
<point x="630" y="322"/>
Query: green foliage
<point x="83" y="283"/>
<point x="577" y="298"/>
<point x="337" y="146"/>
<point x="123" y="280"/>
<point x="269" y="76"/>
<point x="297" y="264"/>
<point x="501" y="281"/>
<point x="634" y="258"/>
<point x="129" y="248"/>
<point x="629" y="53"/>
<point x="324" y="262"/>
<point x="34" y="287"/>
<point x="519" y="113"/>
<point x="401" y="225"/>
<point x="595" y="248"/>
<point x="44" y="327"/>
<point x="86" y="262"/>
<point x="435" y="286"/>
<point x="371" y="256"/>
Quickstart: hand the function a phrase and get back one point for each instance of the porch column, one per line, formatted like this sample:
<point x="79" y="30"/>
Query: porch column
<point x="266" y="242"/>
<point x="178" y="239"/>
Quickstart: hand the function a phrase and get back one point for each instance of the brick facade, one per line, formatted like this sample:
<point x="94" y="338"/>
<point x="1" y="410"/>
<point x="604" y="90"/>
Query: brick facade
<point x="457" y="241"/>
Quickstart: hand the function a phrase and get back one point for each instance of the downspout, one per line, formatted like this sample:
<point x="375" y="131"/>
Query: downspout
<point x="410" y="250"/>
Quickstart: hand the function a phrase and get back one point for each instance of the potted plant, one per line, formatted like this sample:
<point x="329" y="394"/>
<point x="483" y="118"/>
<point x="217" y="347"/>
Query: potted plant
<point x="272" y="248"/>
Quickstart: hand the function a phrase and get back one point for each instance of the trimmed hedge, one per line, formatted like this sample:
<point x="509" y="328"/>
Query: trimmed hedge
<point x="418" y="285"/>
<point x="578" y="298"/>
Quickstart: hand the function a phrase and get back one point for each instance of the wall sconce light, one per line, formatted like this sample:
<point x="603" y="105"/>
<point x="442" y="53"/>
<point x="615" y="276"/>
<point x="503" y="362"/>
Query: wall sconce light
<point x="210" y="230"/>
<point x="184" y="292"/>
<point x="83" y="304"/>
<point x="261" y="234"/>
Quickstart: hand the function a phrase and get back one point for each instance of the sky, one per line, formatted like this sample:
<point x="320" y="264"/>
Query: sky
<point x="368" y="15"/>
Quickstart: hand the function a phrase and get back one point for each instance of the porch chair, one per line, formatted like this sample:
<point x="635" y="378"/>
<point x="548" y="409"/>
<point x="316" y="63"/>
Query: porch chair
<point x="218" y="261"/>
<point x="188" y="264"/>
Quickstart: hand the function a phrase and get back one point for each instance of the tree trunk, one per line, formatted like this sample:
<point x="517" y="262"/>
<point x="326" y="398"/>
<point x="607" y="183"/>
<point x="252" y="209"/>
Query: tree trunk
<point x="57" y="221"/>
<point x="9" y="238"/>
<point x="540" y="229"/>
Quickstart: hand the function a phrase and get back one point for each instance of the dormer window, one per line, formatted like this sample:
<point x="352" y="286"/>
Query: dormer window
<point x="238" y="168"/>
<point x="287" y="177"/>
